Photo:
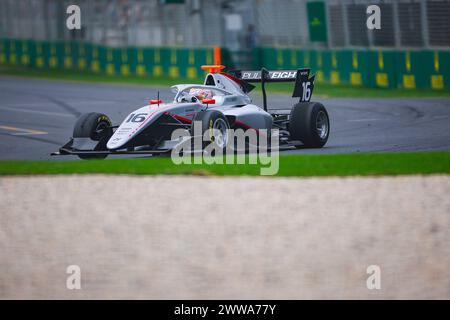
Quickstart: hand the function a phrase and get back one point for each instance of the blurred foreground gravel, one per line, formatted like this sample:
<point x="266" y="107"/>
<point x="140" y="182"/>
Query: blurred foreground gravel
<point x="219" y="238"/>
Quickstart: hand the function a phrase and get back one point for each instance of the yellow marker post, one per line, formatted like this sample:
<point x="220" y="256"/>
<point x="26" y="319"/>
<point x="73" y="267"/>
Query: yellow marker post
<point x="191" y="70"/>
<point x="355" y="76"/>
<point x="109" y="66"/>
<point x="409" y="81"/>
<point x="320" y="76"/>
<point x="140" y="56"/>
<point x="380" y="60"/>
<point x="437" y="80"/>
<point x="68" y="62"/>
<point x="125" y="70"/>
<point x="140" y="68"/>
<point x="381" y="78"/>
<point x="25" y="58"/>
<point x="157" y="69"/>
<point x="157" y="56"/>
<point x="2" y="53"/>
<point x="355" y="60"/>
<point x="334" y="75"/>
<point x="95" y="64"/>
<point x="334" y="63"/>
<point x="306" y="58"/>
<point x="82" y="63"/>
<point x="110" y="69"/>
<point x="294" y="58"/>
<point x="53" y="62"/>
<point x="436" y="61"/>
<point x="124" y="67"/>
<point x="408" y="61"/>
<point x="173" y="56"/>
<point x="280" y="57"/>
<point x="191" y="57"/>
<point x="124" y="56"/>
<point x="39" y="58"/>
<point x="174" y="71"/>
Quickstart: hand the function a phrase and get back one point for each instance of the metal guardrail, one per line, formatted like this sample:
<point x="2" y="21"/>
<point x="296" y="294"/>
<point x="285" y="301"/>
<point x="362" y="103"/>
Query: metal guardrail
<point x="193" y="23"/>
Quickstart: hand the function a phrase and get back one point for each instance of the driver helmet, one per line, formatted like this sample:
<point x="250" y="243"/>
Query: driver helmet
<point x="201" y="93"/>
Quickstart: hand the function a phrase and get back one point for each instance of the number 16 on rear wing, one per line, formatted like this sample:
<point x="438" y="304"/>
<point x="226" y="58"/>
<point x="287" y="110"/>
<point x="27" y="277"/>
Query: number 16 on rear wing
<point x="303" y="89"/>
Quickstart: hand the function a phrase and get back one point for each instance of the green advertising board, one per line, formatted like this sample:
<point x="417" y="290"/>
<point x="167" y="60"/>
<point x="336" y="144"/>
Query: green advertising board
<point x="317" y="21"/>
<point x="173" y="62"/>
<point x="379" y="68"/>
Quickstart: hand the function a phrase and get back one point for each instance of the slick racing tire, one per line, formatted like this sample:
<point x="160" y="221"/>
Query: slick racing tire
<point x="217" y="124"/>
<point x="309" y="123"/>
<point x="95" y="126"/>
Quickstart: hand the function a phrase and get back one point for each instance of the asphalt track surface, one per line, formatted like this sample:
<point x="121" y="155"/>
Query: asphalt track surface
<point x="37" y="116"/>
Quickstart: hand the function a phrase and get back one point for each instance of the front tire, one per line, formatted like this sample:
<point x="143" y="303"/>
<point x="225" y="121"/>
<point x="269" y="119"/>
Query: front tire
<point x="217" y="124"/>
<point x="95" y="126"/>
<point x="309" y="123"/>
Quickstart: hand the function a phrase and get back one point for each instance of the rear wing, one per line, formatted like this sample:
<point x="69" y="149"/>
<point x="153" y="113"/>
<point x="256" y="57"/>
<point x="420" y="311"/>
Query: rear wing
<point x="303" y="88"/>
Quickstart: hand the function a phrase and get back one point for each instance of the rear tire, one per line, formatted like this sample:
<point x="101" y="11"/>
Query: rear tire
<point x="309" y="123"/>
<point x="95" y="126"/>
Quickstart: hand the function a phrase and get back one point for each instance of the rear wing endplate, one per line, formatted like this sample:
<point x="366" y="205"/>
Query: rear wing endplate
<point x="303" y="88"/>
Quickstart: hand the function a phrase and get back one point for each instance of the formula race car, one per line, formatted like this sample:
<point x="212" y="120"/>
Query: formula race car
<point x="221" y="103"/>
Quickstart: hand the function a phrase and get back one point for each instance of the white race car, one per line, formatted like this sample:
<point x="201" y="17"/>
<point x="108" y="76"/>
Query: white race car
<point x="220" y="103"/>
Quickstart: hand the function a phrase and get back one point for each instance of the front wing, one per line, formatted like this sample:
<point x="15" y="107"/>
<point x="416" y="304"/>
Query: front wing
<point x="70" y="149"/>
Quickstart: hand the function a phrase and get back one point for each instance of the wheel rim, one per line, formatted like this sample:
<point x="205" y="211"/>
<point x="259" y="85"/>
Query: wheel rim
<point x="322" y="125"/>
<point x="99" y="129"/>
<point x="220" y="134"/>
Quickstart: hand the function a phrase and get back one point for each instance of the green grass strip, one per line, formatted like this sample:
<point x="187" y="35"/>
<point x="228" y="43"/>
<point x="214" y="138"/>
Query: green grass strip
<point x="357" y="164"/>
<point x="321" y="89"/>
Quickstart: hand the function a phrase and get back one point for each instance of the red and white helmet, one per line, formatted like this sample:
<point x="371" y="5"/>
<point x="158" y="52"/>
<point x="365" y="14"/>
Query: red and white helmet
<point x="201" y="93"/>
